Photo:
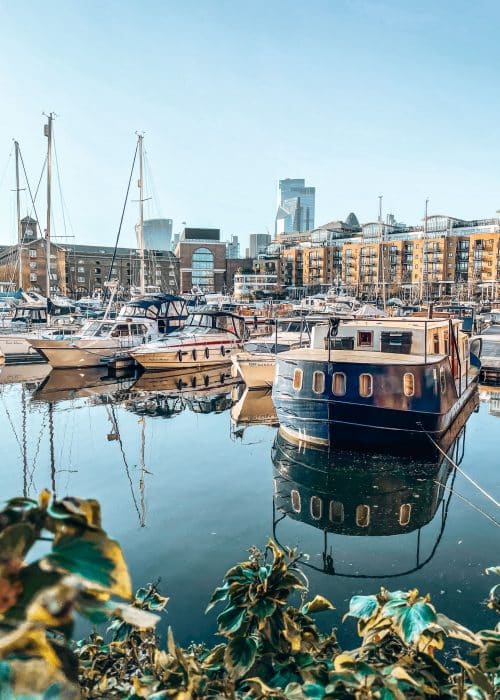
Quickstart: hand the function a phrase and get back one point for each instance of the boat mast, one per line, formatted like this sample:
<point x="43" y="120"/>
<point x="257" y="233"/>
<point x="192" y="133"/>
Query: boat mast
<point x="141" y="216"/>
<point x="382" y="248"/>
<point x="18" y="210"/>
<point x="48" y="134"/>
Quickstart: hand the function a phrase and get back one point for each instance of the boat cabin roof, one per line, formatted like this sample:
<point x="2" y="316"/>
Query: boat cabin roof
<point x="400" y="323"/>
<point x="354" y="356"/>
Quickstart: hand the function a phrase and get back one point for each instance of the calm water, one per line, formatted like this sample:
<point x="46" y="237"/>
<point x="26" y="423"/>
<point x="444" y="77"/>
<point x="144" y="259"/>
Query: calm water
<point x="187" y="487"/>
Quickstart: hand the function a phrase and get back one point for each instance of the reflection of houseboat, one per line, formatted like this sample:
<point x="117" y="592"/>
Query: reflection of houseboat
<point x="350" y="494"/>
<point x="139" y="321"/>
<point x="208" y="338"/>
<point x="185" y="380"/>
<point x="388" y="383"/>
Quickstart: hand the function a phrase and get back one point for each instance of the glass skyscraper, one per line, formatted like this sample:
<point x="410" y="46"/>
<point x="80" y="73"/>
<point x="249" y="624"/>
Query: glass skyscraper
<point x="295" y="206"/>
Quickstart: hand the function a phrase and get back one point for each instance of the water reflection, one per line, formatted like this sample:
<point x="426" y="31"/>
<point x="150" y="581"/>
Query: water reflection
<point x="359" y="495"/>
<point x="252" y="407"/>
<point x="491" y="396"/>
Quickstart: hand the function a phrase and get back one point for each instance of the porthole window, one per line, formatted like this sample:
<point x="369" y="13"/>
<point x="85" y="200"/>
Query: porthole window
<point x="339" y="384"/>
<point x="318" y="382"/>
<point x="405" y="514"/>
<point x="409" y="384"/>
<point x="193" y="353"/>
<point x="442" y="379"/>
<point x="365" y="385"/>
<point x="297" y="379"/>
<point x="362" y="516"/>
<point x="207" y="353"/>
<point x="336" y="513"/>
<point x="222" y="350"/>
<point x="316" y="507"/>
<point x="295" y="498"/>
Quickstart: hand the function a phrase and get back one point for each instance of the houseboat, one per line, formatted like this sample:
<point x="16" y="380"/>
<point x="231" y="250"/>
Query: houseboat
<point x="387" y="383"/>
<point x="208" y="338"/>
<point x="139" y="321"/>
<point x="490" y="355"/>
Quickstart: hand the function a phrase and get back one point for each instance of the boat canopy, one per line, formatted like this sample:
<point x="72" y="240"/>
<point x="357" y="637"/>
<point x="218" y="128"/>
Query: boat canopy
<point x="155" y="306"/>
<point x="220" y="320"/>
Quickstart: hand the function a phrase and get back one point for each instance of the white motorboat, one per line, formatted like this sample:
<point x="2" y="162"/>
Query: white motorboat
<point x="208" y="338"/>
<point x="141" y="320"/>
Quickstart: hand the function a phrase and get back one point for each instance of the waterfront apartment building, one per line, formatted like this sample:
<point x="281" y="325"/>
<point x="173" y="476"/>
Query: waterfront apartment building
<point x="442" y="256"/>
<point x="295" y="206"/>
<point x="80" y="270"/>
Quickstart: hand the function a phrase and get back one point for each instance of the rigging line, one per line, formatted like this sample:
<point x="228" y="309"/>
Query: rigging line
<point x="122" y="217"/>
<point x="12" y="425"/>
<point x="470" y="503"/>
<point x="461" y="471"/>
<point x="151" y="183"/>
<point x="63" y="204"/>
<point x="52" y="452"/>
<point x="25" y="443"/>
<point x="4" y="171"/>
<point x="29" y="188"/>
<point x="37" y="451"/>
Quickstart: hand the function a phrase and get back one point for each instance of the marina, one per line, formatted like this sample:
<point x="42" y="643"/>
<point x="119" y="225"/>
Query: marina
<point x="197" y="469"/>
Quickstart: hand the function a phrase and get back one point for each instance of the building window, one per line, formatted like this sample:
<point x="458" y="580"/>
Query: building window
<point x="339" y="384"/>
<point x="81" y="269"/>
<point x="202" y="264"/>
<point x="32" y="265"/>
<point x="33" y="278"/>
<point x="295" y="498"/>
<point x="318" y="382"/>
<point x="81" y="279"/>
<point x="316" y="507"/>
<point x="365" y="339"/>
<point x="365" y="385"/>
<point x="408" y="384"/>
<point x="362" y="516"/>
<point x="336" y="512"/>
<point x="297" y="379"/>
<point x="32" y="252"/>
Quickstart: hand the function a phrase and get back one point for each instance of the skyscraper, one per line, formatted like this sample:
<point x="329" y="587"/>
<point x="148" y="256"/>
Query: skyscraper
<point x="295" y="206"/>
<point x="258" y="243"/>
<point x="233" y="248"/>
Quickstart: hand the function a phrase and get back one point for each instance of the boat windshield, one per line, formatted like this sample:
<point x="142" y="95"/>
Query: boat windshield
<point x="220" y="322"/>
<point x="490" y="348"/>
<point x="98" y="330"/>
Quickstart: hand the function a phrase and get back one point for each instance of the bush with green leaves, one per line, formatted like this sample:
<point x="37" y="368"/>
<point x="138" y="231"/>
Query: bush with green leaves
<point x="271" y="646"/>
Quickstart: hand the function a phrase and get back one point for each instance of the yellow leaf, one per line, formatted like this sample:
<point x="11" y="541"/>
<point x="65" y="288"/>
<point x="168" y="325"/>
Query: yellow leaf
<point x="31" y="642"/>
<point x="44" y="499"/>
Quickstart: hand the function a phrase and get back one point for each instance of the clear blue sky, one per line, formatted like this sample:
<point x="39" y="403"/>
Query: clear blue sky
<point x="359" y="97"/>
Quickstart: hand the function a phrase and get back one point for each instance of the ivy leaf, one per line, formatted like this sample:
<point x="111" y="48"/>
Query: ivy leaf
<point x="230" y="620"/>
<point x="263" y="608"/>
<point x="415" y="619"/>
<point x="457" y="631"/>
<point x="16" y="540"/>
<point x="477" y="677"/>
<point x="240" y="655"/>
<point x="217" y="596"/>
<point x="317" y="604"/>
<point x="362" y="606"/>
<point x="314" y="690"/>
<point x="94" y="557"/>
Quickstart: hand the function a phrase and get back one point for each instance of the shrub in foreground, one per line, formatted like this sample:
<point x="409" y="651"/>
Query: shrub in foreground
<point x="271" y="646"/>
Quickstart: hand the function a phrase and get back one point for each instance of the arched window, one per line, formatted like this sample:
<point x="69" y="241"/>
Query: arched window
<point x="202" y="264"/>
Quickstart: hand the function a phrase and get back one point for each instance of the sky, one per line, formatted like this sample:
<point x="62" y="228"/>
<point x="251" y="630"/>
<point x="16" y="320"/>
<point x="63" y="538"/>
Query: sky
<point x="360" y="97"/>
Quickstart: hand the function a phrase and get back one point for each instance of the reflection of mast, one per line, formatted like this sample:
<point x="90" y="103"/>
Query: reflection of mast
<point x="24" y="443"/>
<point x="52" y="451"/>
<point x="115" y="435"/>
<point x="143" y="472"/>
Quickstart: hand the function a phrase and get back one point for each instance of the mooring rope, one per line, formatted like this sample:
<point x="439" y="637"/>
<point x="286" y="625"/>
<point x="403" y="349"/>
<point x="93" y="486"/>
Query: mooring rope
<point x="461" y="471"/>
<point x="470" y="503"/>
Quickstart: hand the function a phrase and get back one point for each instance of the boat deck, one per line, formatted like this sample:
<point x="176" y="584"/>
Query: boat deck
<point x="359" y="356"/>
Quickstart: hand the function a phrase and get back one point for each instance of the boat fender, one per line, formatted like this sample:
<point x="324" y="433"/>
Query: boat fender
<point x="207" y="353"/>
<point x="179" y="355"/>
<point x="193" y="354"/>
<point x="222" y="350"/>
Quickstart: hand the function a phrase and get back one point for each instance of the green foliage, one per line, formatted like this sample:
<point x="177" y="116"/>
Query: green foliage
<point x="271" y="646"/>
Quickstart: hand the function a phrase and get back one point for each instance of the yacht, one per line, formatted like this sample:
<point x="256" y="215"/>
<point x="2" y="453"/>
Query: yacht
<point x="208" y="338"/>
<point x="256" y="363"/>
<point x="141" y="320"/>
<point x="376" y="383"/>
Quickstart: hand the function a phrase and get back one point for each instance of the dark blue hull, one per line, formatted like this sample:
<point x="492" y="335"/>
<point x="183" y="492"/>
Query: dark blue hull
<point x="386" y="419"/>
